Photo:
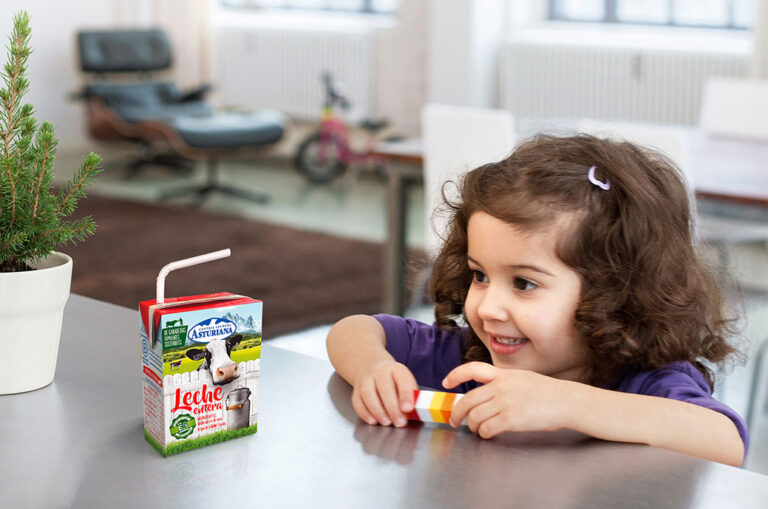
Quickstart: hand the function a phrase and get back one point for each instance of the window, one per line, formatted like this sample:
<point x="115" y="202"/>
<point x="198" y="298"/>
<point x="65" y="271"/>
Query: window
<point x="736" y="14"/>
<point x="361" y="6"/>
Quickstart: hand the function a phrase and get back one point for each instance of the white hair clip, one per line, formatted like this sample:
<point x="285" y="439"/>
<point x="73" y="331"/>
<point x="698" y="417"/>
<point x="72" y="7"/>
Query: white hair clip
<point x="602" y="185"/>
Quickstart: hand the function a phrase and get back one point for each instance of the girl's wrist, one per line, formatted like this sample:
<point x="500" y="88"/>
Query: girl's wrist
<point x="368" y="368"/>
<point x="575" y="403"/>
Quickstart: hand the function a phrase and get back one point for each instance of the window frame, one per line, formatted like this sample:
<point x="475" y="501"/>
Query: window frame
<point x="367" y="8"/>
<point x="611" y="18"/>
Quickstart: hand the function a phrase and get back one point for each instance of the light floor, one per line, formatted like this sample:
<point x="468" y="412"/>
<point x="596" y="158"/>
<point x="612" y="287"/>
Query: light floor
<point x="354" y="206"/>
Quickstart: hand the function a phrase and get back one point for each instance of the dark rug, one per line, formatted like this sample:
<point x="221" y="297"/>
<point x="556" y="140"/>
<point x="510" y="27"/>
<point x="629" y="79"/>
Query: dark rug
<point x="304" y="279"/>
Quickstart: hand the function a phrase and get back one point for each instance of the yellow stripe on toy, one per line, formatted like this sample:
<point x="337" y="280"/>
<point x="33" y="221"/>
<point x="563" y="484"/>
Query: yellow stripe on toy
<point x="436" y="407"/>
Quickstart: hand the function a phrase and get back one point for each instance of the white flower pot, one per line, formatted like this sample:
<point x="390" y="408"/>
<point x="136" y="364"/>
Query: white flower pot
<point x="31" y="311"/>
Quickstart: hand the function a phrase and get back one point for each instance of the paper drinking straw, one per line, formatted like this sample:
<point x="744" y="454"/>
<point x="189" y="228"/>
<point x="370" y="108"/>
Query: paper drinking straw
<point x="180" y="264"/>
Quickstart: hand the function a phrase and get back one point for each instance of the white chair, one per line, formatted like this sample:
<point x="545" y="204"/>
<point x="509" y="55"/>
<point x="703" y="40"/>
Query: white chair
<point x="735" y="108"/>
<point x="457" y="139"/>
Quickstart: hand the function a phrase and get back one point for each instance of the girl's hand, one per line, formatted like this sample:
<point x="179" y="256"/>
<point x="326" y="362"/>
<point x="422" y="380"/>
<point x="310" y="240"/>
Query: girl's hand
<point x="510" y="400"/>
<point x="383" y="394"/>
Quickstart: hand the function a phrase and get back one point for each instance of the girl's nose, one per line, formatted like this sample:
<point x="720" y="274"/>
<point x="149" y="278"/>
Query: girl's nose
<point x="493" y="305"/>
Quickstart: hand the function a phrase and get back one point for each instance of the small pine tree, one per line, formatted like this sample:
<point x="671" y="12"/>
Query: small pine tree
<point x="31" y="212"/>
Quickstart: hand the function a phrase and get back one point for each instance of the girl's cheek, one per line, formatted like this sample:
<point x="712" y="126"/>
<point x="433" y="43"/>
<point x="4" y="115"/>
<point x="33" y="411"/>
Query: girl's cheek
<point x="470" y="306"/>
<point x="474" y="322"/>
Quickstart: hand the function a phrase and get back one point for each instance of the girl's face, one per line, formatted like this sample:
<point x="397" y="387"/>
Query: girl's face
<point x="522" y="298"/>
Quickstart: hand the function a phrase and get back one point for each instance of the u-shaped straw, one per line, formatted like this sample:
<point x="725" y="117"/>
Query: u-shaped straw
<point x="180" y="264"/>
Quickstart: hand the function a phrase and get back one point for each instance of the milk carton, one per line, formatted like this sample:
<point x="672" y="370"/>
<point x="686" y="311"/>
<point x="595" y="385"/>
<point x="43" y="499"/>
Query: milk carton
<point x="200" y="358"/>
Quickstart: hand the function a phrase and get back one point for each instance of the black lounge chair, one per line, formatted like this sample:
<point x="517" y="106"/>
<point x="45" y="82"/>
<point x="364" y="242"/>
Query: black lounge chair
<point x="157" y="113"/>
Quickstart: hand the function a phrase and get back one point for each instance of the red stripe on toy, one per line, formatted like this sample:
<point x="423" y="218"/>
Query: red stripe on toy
<point x="413" y="415"/>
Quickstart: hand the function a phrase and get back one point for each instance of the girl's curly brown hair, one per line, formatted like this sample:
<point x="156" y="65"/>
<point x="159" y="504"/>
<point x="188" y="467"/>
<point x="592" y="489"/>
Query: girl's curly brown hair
<point x="647" y="298"/>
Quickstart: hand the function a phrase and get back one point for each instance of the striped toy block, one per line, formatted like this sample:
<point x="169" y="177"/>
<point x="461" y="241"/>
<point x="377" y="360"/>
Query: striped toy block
<point x="432" y="406"/>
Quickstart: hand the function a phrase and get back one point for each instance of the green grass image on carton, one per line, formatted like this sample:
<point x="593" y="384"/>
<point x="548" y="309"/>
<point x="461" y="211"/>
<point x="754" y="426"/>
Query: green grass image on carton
<point x="154" y="443"/>
<point x="249" y="349"/>
<point x="213" y="438"/>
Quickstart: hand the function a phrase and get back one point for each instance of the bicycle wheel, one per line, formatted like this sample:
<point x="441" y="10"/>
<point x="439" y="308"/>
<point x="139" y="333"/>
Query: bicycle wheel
<point x="317" y="159"/>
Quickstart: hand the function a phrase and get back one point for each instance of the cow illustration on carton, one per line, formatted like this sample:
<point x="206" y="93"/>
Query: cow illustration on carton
<point x="216" y="359"/>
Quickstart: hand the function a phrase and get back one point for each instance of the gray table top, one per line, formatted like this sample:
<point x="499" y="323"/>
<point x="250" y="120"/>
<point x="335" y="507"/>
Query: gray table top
<point x="79" y="443"/>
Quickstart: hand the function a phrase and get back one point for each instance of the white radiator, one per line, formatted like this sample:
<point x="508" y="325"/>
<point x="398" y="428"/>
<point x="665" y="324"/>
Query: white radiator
<point x="540" y="79"/>
<point x="281" y="68"/>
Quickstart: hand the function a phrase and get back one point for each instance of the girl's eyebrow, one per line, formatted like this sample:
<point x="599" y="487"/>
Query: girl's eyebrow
<point x="523" y="266"/>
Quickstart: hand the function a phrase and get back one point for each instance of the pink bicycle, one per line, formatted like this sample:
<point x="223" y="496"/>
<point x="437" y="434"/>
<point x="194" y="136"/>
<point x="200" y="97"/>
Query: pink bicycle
<point x="327" y="153"/>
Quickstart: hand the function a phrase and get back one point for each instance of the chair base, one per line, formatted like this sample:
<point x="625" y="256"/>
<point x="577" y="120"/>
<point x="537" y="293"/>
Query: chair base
<point x="180" y="165"/>
<point x="149" y="157"/>
<point x="212" y="185"/>
<point x="205" y="190"/>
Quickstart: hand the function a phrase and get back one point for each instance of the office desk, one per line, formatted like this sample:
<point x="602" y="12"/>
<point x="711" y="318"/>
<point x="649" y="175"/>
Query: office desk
<point x="79" y="443"/>
<point x="729" y="170"/>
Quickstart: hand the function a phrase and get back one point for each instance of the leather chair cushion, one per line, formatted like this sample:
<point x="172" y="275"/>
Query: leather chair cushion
<point x="230" y="129"/>
<point x="136" y="102"/>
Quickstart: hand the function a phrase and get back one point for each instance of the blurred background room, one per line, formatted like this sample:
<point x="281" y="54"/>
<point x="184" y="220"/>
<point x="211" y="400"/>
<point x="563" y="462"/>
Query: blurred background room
<point x="319" y="231"/>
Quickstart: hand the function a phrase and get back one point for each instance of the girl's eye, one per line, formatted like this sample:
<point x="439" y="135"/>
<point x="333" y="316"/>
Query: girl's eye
<point x="522" y="284"/>
<point x="479" y="277"/>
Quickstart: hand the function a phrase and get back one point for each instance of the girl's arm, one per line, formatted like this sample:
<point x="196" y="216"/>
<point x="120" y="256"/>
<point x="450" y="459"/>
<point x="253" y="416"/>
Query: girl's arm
<point x="354" y="344"/>
<point x="519" y="400"/>
<point x="660" y="422"/>
<point x="382" y="387"/>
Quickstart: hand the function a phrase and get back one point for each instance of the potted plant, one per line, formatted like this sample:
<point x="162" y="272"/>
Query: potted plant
<point x="34" y="278"/>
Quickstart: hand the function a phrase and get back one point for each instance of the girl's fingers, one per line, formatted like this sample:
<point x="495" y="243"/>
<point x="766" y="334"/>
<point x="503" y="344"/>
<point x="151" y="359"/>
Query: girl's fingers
<point x="491" y="427"/>
<point x="384" y="395"/>
<point x="479" y="371"/>
<point x="480" y="414"/>
<point x="406" y="384"/>
<point x="370" y="398"/>
<point x="391" y="403"/>
<point x="361" y="410"/>
<point x="466" y="404"/>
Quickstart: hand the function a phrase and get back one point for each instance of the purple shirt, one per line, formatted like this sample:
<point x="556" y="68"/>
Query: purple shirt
<point x="431" y="353"/>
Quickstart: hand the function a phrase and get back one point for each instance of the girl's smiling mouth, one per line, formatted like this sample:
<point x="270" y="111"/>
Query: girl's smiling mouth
<point x="505" y="345"/>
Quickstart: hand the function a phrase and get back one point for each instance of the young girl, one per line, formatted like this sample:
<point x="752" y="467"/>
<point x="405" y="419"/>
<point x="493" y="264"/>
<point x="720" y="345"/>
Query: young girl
<point x="574" y="265"/>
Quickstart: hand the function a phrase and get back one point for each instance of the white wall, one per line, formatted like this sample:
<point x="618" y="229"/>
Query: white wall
<point x="53" y="64"/>
<point x="401" y="67"/>
<point x="760" y="41"/>
<point x="464" y="37"/>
